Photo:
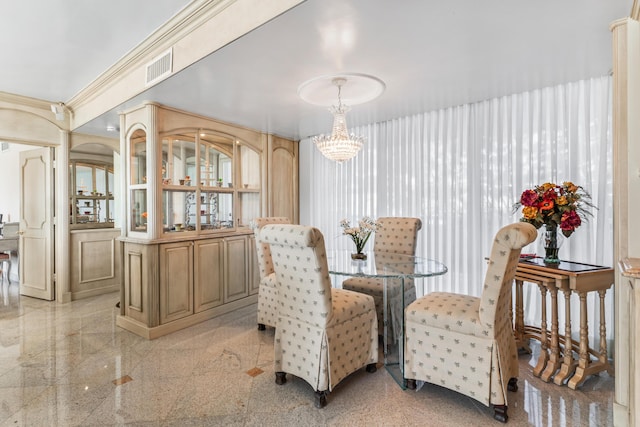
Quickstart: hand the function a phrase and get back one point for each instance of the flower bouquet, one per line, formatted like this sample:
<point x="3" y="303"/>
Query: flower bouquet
<point x="359" y="234"/>
<point x="553" y="206"/>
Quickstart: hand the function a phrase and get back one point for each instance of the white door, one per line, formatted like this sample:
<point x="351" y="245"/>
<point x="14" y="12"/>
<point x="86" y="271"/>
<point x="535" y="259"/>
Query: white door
<point x="36" y="224"/>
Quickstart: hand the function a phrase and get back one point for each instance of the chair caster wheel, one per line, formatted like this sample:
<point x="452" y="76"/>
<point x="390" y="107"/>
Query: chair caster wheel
<point x="321" y="399"/>
<point x="281" y="378"/>
<point x="500" y="413"/>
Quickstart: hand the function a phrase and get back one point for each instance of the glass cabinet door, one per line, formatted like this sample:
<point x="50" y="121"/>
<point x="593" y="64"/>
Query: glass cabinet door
<point x="91" y="196"/>
<point x="138" y="158"/>
<point x="138" y="181"/>
<point x="178" y="160"/>
<point x="176" y="214"/>
<point x="197" y="190"/>
<point x="216" y="210"/>
<point x="138" y="218"/>
<point x="249" y="193"/>
<point x="216" y="153"/>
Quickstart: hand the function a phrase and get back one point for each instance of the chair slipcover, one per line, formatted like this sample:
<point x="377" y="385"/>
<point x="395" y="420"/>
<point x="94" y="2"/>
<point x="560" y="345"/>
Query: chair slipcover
<point x="466" y="343"/>
<point x="267" y="293"/>
<point x="395" y="235"/>
<point x="322" y="333"/>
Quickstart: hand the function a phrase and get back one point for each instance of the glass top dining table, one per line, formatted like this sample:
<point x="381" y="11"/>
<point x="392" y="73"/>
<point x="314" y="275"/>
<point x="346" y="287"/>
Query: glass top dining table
<point x="393" y="269"/>
<point x="383" y="265"/>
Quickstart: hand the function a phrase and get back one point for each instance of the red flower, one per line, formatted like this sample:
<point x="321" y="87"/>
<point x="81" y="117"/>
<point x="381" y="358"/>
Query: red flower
<point x="570" y="221"/>
<point x="529" y="198"/>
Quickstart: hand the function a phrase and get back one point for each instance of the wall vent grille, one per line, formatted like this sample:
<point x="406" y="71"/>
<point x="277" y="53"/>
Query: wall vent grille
<point x="4" y="146"/>
<point x="159" y="68"/>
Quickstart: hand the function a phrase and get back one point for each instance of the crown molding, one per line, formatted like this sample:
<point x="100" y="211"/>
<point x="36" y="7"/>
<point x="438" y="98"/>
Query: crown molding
<point x="189" y="18"/>
<point x="201" y="28"/>
<point x="24" y="101"/>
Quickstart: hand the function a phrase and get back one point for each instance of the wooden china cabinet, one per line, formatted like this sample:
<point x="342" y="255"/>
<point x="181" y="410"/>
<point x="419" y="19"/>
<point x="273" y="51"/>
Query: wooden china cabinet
<point x="192" y="185"/>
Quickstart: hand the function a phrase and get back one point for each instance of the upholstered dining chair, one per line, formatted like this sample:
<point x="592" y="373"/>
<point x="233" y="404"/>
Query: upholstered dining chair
<point x="395" y="235"/>
<point x="322" y="333"/>
<point x="466" y="343"/>
<point x="267" y="293"/>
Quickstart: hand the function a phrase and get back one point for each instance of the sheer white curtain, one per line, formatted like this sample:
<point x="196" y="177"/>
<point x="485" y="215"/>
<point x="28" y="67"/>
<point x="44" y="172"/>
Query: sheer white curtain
<point x="461" y="170"/>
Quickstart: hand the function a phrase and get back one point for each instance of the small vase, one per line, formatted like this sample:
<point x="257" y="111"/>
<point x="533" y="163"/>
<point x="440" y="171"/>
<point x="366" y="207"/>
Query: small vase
<point x="552" y="242"/>
<point x="359" y="255"/>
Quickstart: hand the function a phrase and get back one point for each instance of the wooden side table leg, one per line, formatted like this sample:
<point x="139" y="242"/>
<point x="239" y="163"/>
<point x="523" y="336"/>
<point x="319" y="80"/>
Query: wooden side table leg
<point x="554" y="352"/>
<point x="603" y="357"/>
<point x="544" y="343"/>
<point x="521" y="344"/>
<point x="568" y="363"/>
<point x="583" y="358"/>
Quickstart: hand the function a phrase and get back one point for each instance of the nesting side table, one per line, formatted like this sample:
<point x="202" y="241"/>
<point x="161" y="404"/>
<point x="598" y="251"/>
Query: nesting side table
<point x="556" y="360"/>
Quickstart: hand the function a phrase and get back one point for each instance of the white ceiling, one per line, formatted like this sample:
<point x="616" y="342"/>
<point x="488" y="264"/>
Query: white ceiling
<point x="430" y="54"/>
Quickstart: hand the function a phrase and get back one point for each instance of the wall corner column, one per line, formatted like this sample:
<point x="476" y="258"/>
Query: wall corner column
<point x="626" y="186"/>
<point x="63" y="281"/>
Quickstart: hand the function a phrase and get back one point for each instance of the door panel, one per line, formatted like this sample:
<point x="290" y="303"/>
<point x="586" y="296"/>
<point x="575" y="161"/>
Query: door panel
<point x="176" y="281"/>
<point x="208" y="274"/>
<point x="36" y="224"/>
<point x="235" y="255"/>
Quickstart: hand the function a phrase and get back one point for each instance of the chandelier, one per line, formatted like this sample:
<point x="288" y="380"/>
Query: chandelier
<point x="340" y="146"/>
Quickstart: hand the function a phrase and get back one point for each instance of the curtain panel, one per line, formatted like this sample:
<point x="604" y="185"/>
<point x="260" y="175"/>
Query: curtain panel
<point x="462" y="169"/>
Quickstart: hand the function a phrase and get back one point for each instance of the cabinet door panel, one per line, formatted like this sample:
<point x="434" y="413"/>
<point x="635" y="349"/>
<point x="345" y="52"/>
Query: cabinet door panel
<point x="208" y="274"/>
<point x="176" y="281"/>
<point x="236" y="283"/>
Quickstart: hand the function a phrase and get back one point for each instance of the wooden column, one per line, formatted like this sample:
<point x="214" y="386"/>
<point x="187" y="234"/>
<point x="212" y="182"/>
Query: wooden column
<point x="626" y="187"/>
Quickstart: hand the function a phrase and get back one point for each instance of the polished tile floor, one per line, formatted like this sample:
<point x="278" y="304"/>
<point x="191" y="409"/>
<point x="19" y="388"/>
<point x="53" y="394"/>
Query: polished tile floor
<point x="69" y="365"/>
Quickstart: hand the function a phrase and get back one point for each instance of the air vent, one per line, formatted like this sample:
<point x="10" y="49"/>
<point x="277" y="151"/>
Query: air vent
<point x="159" y="68"/>
<point x="4" y="146"/>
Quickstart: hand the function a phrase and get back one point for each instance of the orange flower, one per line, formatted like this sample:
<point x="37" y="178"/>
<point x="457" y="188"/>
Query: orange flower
<point x="529" y="212"/>
<point x="546" y="205"/>
<point x="571" y="187"/>
<point x="561" y="201"/>
<point x="143" y="215"/>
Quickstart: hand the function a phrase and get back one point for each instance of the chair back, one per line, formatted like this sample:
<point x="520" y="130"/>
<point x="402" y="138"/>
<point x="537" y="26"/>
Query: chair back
<point x="10" y="230"/>
<point x="397" y="234"/>
<point x="302" y="273"/>
<point x="265" y="264"/>
<point x="505" y="255"/>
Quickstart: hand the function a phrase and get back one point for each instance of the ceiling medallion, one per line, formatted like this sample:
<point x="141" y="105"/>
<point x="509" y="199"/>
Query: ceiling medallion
<point x="340" y="146"/>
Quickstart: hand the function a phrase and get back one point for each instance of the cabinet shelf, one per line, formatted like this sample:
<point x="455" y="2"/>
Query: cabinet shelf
<point x="93" y="207"/>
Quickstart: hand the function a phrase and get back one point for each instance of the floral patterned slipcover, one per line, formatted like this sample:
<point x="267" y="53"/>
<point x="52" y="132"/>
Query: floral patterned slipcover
<point x="395" y="235"/>
<point x="322" y="333"/>
<point x="267" y="293"/>
<point x="466" y="343"/>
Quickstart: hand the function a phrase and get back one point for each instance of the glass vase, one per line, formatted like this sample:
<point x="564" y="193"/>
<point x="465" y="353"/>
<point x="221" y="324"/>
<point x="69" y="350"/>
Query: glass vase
<point x="552" y="241"/>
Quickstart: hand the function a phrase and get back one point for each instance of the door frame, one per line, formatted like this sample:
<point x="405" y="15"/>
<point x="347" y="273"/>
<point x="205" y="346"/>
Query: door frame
<point x="31" y="122"/>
